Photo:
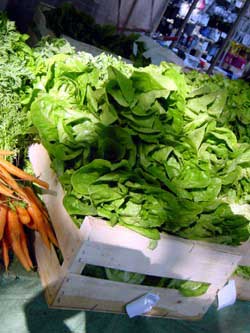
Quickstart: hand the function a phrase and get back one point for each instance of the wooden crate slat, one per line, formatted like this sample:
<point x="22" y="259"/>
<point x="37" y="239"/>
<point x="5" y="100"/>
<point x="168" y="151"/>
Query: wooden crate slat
<point x="120" y="248"/>
<point x="104" y="295"/>
<point x="245" y="252"/>
<point x="50" y="271"/>
<point x="68" y="235"/>
<point x="243" y="288"/>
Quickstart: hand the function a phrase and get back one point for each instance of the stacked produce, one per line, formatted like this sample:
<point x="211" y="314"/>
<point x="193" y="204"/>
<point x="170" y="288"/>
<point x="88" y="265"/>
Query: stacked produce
<point x="19" y="65"/>
<point x="152" y="149"/>
<point x="16" y="62"/>
<point x="144" y="148"/>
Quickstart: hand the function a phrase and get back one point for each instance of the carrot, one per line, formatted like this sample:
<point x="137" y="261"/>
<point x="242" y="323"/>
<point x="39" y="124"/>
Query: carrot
<point x="31" y="225"/>
<point x="12" y="183"/>
<point x="31" y="194"/>
<point x="21" y="174"/>
<point x="50" y="233"/>
<point x="23" y="215"/>
<point x="3" y="219"/>
<point x="7" y="192"/>
<point x="25" y="248"/>
<point x="6" y="152"/>
<point x="14" y="231"/>
<point x="37" y="218"/>
<point x="5" y="254"/>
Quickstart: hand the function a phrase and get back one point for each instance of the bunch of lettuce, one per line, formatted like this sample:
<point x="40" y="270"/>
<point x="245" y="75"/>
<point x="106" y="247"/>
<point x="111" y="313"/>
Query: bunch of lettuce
<point x="143" y="147"/>
<point x="235" y="113"/>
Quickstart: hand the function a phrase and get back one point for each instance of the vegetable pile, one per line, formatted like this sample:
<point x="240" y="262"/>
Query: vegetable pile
<point x="19" y="65"/>
<point x="16" y="62"/>
<point x="20" y="209"/>
<point x="148" y="148"/>
<point x="152" y="149"/>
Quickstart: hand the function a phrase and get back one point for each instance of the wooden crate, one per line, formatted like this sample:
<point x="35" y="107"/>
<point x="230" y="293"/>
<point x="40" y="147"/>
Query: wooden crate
<point x="97" y="243"/>
<point x="242" y="284"/>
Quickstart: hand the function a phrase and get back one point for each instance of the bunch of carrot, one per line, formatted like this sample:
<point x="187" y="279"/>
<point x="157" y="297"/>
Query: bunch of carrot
<point x="20" y="208"/>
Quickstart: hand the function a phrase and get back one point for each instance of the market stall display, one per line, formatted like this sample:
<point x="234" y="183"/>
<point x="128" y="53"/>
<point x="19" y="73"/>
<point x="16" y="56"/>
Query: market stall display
<point x="73" y="284"/>
<point x="150" y="149"/>
<point x="144" y="147"/>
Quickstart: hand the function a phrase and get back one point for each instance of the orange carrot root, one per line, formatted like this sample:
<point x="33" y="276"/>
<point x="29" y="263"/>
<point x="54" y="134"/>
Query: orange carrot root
<point x="6" y="152"/>
<point x="21" y="174"/>
<point x="31" y="194"/>
<point x="37" y="218"/>
<point x="12" y="183"/>
<point x="25" y="249"/>
<point x="23" y="215"/>
<point x="14" y="231"/>
<point x="3" y="219"/>
<point x="5" y="254"/>
<point x="50" y="233"/>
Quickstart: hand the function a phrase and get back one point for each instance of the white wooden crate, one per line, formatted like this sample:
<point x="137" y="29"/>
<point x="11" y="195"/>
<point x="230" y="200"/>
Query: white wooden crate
<point x="97" y="243"/>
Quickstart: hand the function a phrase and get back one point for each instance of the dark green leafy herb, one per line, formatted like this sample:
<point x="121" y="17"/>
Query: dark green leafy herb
<point x="69" y="21"/>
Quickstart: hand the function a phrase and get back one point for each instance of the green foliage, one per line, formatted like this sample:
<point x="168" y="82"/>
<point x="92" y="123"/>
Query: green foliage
<point x="69" y="21"/>
<point x="19" y="65"/>
<point x="16" y="63"/>
<point x="145" y="148"/>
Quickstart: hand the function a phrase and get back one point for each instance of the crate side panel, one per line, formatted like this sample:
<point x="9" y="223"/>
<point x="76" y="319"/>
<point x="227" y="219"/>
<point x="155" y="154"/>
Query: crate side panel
<point x="49" y="269"/>
<point x="103" y="295"/>
<point x="243" y="288"/>
<point x="68" y="235"/>
<point x="121" y="248"/>
<point x="245" y="251"/>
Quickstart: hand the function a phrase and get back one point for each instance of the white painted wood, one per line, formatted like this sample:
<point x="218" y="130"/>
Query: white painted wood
<point x="120" y="248"/>
<point x="68" y="235"/>
<point x="245" y="252"/>
<point x="242" y="287"/>
<point x="104" y="295"/>
<point x="49" y="269"/>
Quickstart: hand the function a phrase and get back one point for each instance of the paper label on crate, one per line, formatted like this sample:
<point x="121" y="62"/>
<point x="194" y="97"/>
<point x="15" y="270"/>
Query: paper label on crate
<point x="142" y="305"/>
<point x="227" y="295"/>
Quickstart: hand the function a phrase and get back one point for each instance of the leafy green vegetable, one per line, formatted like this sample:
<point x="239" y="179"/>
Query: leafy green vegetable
<point x="19" y="65"/>
<point x="189" y="288"/>
<point x="243" y="271"/>
<point x="16" y="63"/>
<point x="186" y="288"/>
<point x="145" y="148"/>
<point x="122" y="276"/>
<point x="67" y="20"/>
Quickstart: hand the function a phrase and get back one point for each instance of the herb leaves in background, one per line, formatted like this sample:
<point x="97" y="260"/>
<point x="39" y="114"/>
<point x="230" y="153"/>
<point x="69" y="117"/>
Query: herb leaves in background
<point x="69" y="21"/>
